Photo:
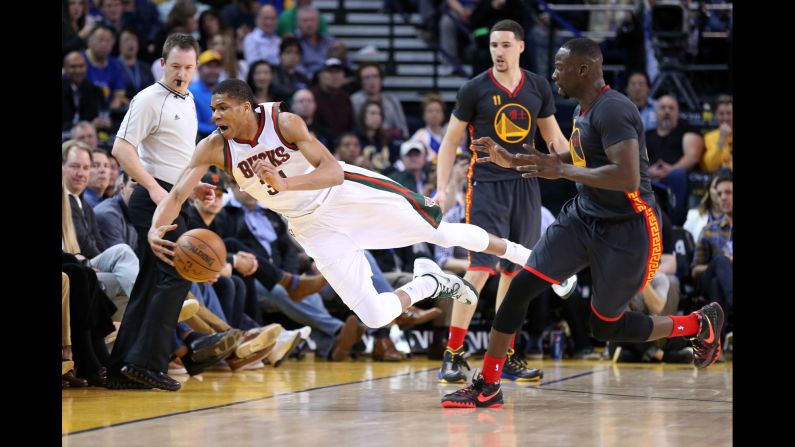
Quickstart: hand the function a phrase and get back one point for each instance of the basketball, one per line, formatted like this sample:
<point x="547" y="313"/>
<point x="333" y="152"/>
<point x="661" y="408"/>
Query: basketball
<point x="199" y="255"/>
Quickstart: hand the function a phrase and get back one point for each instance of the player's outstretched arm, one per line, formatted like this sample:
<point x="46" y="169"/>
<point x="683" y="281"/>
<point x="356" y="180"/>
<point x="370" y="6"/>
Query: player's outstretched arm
<point x="327" y="173"/>
<point x="622" y="174"/>
<point x="208" y="152"/>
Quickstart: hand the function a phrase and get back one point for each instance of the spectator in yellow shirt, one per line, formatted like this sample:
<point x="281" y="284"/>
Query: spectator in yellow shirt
<point x="718" y="142"/>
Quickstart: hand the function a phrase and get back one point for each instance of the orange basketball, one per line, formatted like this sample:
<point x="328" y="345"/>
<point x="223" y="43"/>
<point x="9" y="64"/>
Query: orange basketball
<point x="200" y="255"/>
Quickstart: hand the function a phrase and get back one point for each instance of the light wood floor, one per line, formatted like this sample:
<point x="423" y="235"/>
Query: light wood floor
<point x="365" y="403"/>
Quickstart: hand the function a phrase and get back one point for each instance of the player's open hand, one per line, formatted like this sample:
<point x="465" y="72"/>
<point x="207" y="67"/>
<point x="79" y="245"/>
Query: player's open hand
<point x="162" y="248"/>
<point x="269" y="174"/>
<point x="539" y="164"/>
<point x="497" y="154"/>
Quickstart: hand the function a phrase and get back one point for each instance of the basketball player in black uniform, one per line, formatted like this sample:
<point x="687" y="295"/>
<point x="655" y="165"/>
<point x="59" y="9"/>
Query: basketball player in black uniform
<point x="507" y="104"/>
<point x="612" y="225"/>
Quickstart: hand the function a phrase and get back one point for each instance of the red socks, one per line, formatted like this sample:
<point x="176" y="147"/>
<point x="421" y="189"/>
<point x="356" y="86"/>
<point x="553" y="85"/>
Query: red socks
<point x="684" y="326"/>
<point x="492" y="368"/>
<point x="456" y="338"/>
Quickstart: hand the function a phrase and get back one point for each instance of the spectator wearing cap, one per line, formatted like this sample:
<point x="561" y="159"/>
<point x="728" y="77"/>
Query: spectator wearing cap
<point x="210" y="66"/>
<point x="314" y="45"/>
<point x="262" y="43"/>
<point x="413" y="156"/>
<point x="371" y="78"/>
<point x="287" y="76"/>
<point x="334" y="110"/>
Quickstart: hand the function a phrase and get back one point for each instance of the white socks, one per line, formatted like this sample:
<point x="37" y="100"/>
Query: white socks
<point x="420" y="288"/>
<point x="518" y="254"/>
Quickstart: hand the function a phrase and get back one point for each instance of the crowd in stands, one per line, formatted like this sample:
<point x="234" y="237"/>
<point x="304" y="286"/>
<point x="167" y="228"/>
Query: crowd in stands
<point x="270" y="301"/>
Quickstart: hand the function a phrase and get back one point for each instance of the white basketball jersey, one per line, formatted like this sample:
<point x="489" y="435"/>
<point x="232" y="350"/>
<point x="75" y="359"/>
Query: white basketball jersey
<point x="239" y="156"/>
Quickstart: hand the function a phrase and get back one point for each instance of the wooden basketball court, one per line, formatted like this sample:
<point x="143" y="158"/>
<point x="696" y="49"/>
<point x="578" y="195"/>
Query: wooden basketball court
<point x="365" y="403"/>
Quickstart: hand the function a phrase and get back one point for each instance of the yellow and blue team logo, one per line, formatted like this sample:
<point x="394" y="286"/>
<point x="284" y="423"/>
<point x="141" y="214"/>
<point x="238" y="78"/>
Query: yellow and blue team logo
<point x="512" y="123"/>
<point x="575" y="148"/>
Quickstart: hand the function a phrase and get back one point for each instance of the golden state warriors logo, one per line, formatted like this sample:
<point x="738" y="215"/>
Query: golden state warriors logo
<point x="575" y="148"/>
<point x="512" y="123"/>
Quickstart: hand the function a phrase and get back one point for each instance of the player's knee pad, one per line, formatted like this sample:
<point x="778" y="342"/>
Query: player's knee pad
<point x="604" y="330"/>
<point x="524" y="288"/>
<point x="631" y="327"/>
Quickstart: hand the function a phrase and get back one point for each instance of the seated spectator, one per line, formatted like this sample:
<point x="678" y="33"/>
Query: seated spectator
<point x="338" y="50"/>
<point x="180" y="18"/>
<point x="113" y="177"/>
<point x="116" y="266"/>
<point x="334" y="110"/>
<point x="210" y="24"/>
<point x="287" y="76"/>
<point x="314" y="45"/>
<point x="638" y="93"/>
<point x="115" y="226"/>
<point x="104" y="70"/>
<point x="76" y="25"/>
<point x="240" y="15"/>
<point x="135" y="72"/>
<point x="288" y="20"/>
<point x="202" y="90"/>
<point x="708" y="210"/>
<point x="85" y="132"/>
<point x="233" y="68"/>
<point x="718" y="142"/>
<point x="371" y="79"/>
<point x="674" y="149"/>
<point x="81" y="100"/>
<point x="260" y="77"/>
<point x="89" y="311"/>
<point x="98" y="181"/>
<point x="713" y="260"/>
<point x="349" y="150"/>
<point x="413" y="158"/>
<point x="433" y="112"/>
<point x="262" y="43"/>
<point x="304" y="105"/>
<point x="113" y="14"/>
<point x="380" y="150"/>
